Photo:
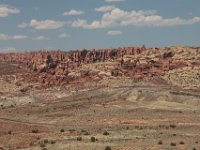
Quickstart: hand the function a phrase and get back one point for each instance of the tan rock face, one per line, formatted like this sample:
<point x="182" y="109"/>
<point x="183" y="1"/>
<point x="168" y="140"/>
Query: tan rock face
<point x="57" y="67"/>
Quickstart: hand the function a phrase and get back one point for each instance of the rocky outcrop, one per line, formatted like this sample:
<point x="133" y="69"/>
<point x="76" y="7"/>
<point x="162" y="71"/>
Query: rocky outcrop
<point x="58" y="67"/>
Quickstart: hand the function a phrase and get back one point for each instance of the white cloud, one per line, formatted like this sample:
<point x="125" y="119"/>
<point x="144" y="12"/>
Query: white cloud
<point x="73" y="12"/>
<point x="114" y="0"/>
<point x="13" y="37"/>
<point x="19" y="37"/>
<point x="6" y="10"/>
<point x="118" y="17"/>
<point x="105" y="8"/>
<point x="64" y="35"/>
<point x="46" y="24"/>
<point x="42" y="25"/>
<point x="22" y="25"/>
<point x="4" y="37"/>
<point x="7" y="50"/>
<point x="79" y="23"/>
<point x="41" y="37"/>
<point x="114" y="32"/>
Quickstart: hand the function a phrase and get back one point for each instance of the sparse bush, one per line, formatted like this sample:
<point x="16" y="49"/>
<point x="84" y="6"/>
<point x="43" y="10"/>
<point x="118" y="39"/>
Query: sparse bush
<point x="42" y="145"/>
<point x="93" y="139"/>
<point x="181" y="142"/>
<point x="72" y="130"/>
<point x="86" y="133"/>
<point x="31" y="144"/>
<point x="196" y="142"/>
<point x="44" y="148"/>
<point x="136" y="127"/>
<point x="194" y="148"/>
<point x="62" y="130"/>
<point x="18" y="84"/>
<point x="160" y="142"/>
<point x="105" y="133"/>
<point x="9" y="132"/>
<point x="141" y="128"/>
<point x="173" y="144"/>
<point x="46" y="141"/>
<point x="79" y="138"/>
<point x="107" y="148"/>
<point x="174" y="134"/>
<point x="172" y="126"/>
<point x="35" y="131"/>
<point x="53" y="142"/>
<point x="83" y="130"/>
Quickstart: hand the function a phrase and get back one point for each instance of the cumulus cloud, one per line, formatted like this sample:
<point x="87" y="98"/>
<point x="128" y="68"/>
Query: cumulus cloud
<point x="114" y="0"/>
<point x="12" y="37"/>
<point x="6" y="10"/>
<point x="41" y="37"/>
<point x="114" y="32"/>
<point x="105" y="8"/>
<point x="7" y="50"/>
<point x="22" y="25"/>
<point x="43" y="24"/>
<point x="118" y="17"/>
<point x="73" y="12"/>
<point x="46" y="24"/>
<point x="79" y="23"/>
<point x="64" y="35"/>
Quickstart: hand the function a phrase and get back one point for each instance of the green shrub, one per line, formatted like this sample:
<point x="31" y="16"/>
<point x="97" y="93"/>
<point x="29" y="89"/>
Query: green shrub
<point x="46" y="141"/>
<point x="83" y="130"/>
<point x="42" y="145"/>
<point x="53" y="142"/>
<point x="107" y="148"/>
<point x="172" y="126"/>
<point x="86" y="133"/>
<point x="160" y="142"/>
<point x="105" y="133"/>
<point x="174" y="134"/>
<point x="79" y="138"/>
<point x="72" y="130"/>
<point x="173" y="144"/>
<point x="9" y="132"/>
<point x="93" y="139"/>
<point x="35" y="131"/>
<point x="62" y="130"/>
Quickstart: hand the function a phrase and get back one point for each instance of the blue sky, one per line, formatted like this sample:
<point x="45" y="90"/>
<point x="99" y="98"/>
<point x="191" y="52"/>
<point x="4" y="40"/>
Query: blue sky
<point x="76" y="24"/>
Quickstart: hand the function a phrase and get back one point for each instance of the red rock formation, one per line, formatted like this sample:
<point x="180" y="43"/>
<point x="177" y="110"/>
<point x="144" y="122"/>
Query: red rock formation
<point x="53" y="67"/>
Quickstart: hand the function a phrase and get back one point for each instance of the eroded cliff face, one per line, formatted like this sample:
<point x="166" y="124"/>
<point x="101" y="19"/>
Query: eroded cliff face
<point x="176" y="65"/>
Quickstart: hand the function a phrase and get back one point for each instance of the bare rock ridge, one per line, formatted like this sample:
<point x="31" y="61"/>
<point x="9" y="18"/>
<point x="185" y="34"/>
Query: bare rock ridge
<point x="55" y="68"/>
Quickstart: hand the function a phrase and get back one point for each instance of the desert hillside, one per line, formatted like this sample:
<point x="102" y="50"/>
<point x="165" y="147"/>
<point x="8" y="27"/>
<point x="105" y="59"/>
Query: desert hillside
<point x="121" y="99"/>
